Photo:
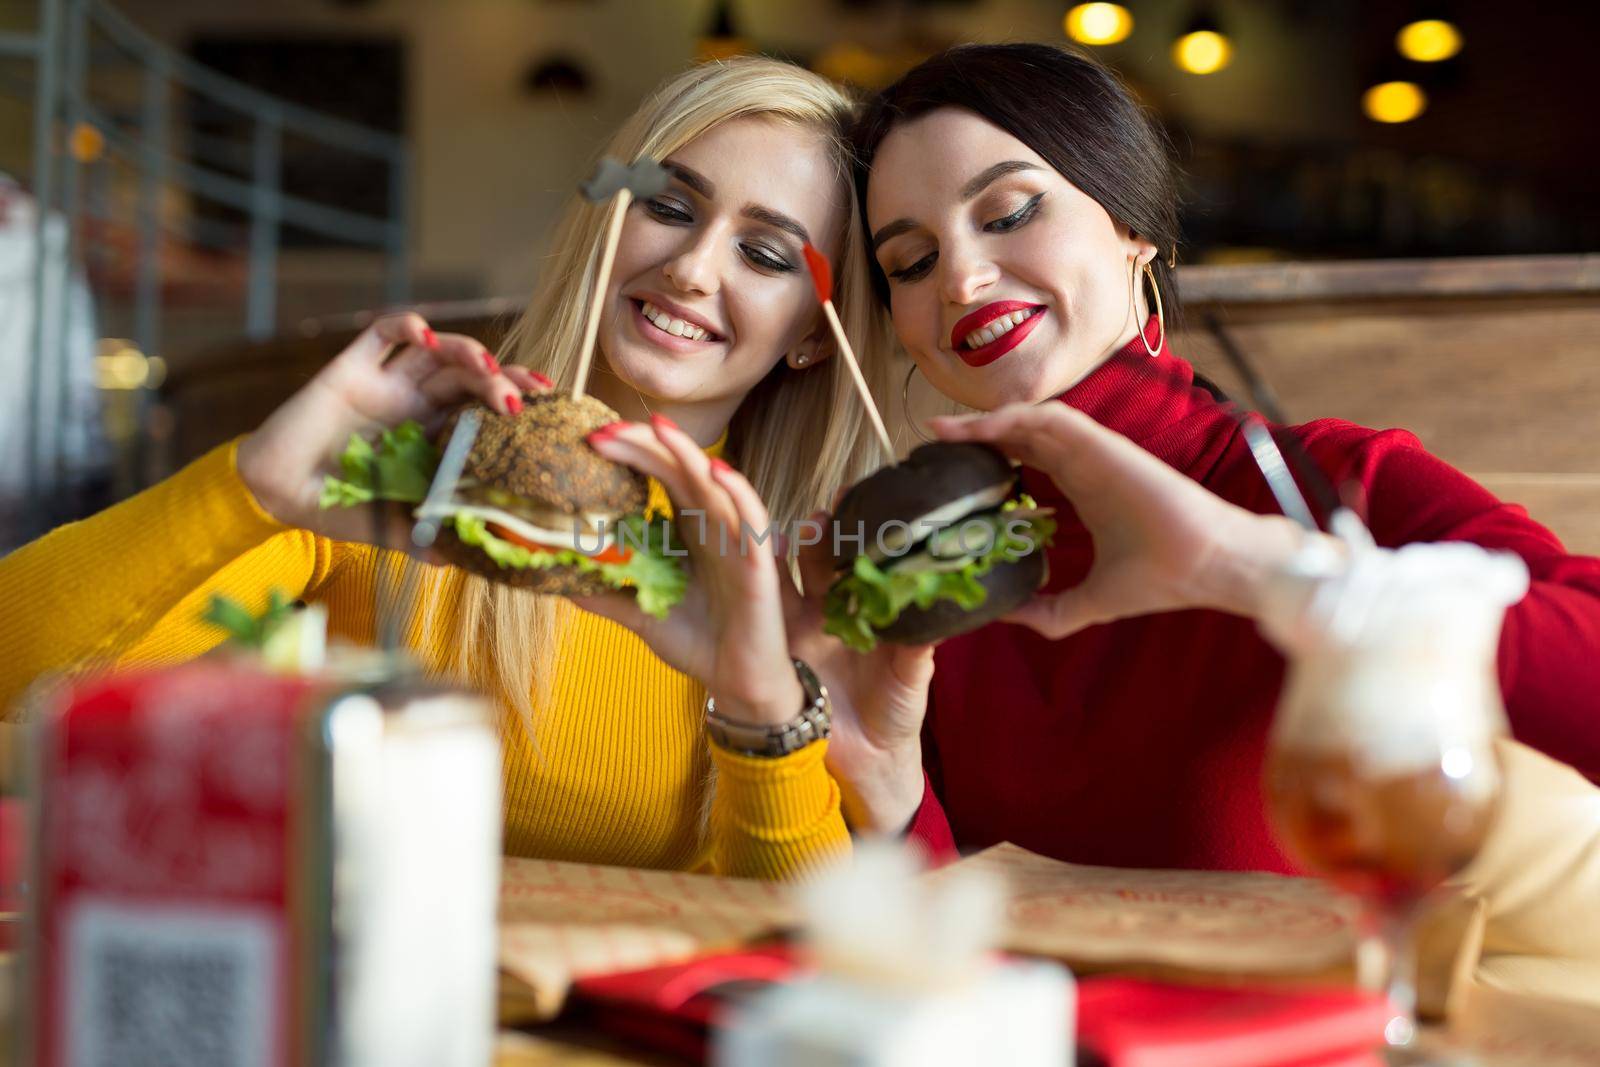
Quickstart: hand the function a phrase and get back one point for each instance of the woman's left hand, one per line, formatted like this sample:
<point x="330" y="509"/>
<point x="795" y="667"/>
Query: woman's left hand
<point x="1162" y="541"/>
<point x="728" y="631"/>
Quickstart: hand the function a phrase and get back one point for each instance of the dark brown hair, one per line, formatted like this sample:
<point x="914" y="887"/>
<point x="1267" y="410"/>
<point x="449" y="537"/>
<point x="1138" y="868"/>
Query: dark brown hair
<point x="1073" y="112"/>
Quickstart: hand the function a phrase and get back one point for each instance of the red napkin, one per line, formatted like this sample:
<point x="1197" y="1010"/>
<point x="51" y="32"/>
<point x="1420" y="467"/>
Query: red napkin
<point x="1122" y="1022"/>
<point x="671" y="1008"/>
<point x="1136" y="1023"/>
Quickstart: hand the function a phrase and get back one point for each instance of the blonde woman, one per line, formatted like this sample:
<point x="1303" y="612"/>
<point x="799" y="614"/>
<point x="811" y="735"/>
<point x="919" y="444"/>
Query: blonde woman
<point x="709" y="325"/>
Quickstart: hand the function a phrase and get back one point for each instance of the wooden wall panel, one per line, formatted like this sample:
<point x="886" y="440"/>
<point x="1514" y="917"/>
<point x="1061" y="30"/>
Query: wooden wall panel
<point x="1505" y="388"/>
<point x="1490" y="386"/>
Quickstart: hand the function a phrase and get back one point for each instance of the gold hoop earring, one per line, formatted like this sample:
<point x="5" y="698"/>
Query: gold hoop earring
<point x="1161" y="317"/>
<point x="905" y="405"/>
<point x="1133" y="300"/>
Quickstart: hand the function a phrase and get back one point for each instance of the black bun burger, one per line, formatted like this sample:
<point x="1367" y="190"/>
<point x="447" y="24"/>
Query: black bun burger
<point x="934" y="546"/>
<point x="535" y="506"/>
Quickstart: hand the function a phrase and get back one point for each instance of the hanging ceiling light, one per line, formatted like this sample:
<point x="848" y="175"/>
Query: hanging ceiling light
<point x="1203" y="48"/>
<point x="721" y="40"/>
<point x="556" y="74"/>
<point x="1394" y="101"/>
<point x="1428" y="40"/>
<point x="1098" y="23"/>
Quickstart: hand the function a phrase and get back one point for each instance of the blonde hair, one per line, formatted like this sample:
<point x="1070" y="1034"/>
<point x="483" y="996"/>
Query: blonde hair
<point x="797" y="436"/>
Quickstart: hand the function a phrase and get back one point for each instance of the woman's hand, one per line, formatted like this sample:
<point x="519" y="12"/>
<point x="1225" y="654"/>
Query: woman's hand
<point x="743" y="619"/>
<point x="396" y="369"/>
<point x="879" y="699"/>
<point x="1162" y="542"/>
<point x="728" y="631"/>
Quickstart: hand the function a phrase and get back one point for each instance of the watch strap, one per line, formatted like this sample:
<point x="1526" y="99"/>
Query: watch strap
<point x="811" y="724"/>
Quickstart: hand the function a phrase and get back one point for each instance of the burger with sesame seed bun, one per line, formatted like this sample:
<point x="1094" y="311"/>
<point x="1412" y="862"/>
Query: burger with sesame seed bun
<point x="536" y="507"/>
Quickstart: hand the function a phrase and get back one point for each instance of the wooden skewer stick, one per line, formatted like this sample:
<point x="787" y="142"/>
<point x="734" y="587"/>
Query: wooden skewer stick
<point x="822" y="279"/>
<point x="591" y="327"/>
<point x="611" y="180"/>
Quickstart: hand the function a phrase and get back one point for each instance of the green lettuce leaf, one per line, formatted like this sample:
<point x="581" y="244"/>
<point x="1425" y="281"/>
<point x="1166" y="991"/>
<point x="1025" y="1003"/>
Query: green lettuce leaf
<point x="658" y="580"/>
<point x="401" y="467"/>
<point x="871" y="597"/>
<point x="243" y="627"/>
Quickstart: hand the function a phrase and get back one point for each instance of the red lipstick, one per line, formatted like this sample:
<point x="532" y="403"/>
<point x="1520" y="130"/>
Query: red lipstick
<point x="986" y="354"/>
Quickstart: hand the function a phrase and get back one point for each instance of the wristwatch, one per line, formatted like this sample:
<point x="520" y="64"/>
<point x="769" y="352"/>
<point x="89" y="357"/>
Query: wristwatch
<point x="813" y="723"/>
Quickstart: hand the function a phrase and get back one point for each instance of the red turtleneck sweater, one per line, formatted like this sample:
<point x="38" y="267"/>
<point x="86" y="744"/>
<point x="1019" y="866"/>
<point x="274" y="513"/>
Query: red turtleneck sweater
<point x="1139" y="743"/>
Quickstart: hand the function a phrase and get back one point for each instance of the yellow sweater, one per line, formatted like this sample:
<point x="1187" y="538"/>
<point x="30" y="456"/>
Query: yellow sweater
<point x="621" y="767"/>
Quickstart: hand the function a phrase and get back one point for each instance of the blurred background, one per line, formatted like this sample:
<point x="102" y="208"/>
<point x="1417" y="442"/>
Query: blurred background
<point x="1388" y="206"/>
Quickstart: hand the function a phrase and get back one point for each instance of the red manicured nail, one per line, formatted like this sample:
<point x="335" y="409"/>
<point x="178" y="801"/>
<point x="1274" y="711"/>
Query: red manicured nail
<point x="604" y="433"/>
<point x="492" y="363"/>
<point x="430" y="339"/>
<point x="541" y="379"/>
<point x="513" y="403"/>
<point x="719" y="465"/>
<point x="659" y="421"/>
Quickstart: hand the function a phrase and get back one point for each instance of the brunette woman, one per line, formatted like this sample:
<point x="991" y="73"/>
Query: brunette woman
<point x="1121" y="717"/>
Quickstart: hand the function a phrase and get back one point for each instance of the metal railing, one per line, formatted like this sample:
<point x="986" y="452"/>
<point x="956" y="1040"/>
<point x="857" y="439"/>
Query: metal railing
<point x="63" y="52"/>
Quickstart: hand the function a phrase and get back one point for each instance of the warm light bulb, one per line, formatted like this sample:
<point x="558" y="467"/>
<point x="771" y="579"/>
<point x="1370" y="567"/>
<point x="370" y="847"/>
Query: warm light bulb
<point x="119" y="365"/>
<point x="1394" y="102"/>
<point x="1202" y="52"/>
<point x="1428" y="41"/>
<point x="1098" y="23"/>
<point x="87" y="143"/>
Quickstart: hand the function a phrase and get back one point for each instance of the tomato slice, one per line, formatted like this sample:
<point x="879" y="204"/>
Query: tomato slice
<point x="612" y="553"/>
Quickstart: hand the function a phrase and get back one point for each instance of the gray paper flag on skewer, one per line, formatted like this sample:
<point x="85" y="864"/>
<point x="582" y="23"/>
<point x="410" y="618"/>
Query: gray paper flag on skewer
<point x="644" y="178"/>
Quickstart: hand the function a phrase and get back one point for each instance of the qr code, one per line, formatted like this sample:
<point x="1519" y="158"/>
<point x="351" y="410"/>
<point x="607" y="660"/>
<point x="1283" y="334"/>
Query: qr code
<point x="158" y="986"/>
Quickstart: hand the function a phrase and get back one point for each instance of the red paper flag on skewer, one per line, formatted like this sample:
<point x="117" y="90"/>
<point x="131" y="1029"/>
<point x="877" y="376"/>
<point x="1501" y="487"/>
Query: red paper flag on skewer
<point x="822" y="280"/>
<point x="821" y="273"/>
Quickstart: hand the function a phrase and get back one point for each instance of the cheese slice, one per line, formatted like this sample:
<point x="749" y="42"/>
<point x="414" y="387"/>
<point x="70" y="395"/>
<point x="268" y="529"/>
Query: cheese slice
<point x="573" y="538"/>
<point x="955" y="546"/>
<point x="550" y="518"/>
<point x="896" y="540"/>
<point x="922" y="561"/>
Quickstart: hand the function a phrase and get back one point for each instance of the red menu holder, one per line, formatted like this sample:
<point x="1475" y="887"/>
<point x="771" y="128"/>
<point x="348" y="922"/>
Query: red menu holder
<point x="223" y="869"/>
<point x="163" y="841"/>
